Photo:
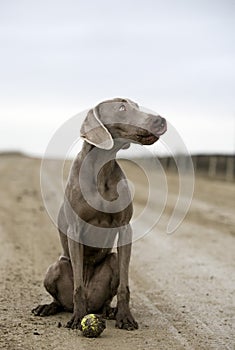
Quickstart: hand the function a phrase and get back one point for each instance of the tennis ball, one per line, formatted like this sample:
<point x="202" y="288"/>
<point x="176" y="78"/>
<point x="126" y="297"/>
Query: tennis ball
<point x="92" y="325"/>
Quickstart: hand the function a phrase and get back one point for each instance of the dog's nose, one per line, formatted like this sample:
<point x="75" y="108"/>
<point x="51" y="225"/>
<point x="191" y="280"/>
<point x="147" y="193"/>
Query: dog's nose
<point x="158" y="124"/>
<point x="157" y="121"/>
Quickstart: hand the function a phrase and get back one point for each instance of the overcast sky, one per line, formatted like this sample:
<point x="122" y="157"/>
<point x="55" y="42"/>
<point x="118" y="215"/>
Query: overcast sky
<point x="60" y="57"/>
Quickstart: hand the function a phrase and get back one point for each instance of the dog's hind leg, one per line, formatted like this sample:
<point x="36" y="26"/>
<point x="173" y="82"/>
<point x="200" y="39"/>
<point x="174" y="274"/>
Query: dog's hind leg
<point x="100" y="290"/>
<point x="59" y="283"/>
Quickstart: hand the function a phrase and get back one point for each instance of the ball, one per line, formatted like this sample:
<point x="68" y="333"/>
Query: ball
<point x="92" y="325"/>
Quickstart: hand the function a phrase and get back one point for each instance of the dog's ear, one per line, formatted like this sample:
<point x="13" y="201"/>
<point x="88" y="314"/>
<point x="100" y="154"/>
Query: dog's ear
<point x="94" y="132"/>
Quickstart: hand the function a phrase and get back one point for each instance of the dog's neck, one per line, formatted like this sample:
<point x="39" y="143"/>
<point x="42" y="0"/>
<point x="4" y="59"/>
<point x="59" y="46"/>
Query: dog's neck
<point x="100" y="165"/>
<point x="100" y="155"/>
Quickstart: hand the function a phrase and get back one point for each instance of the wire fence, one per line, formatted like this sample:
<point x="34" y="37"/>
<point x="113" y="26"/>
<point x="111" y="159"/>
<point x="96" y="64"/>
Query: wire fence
<point x="221" y="167"/>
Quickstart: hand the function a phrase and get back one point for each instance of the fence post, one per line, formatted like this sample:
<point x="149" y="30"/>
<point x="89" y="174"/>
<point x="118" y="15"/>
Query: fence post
<point x="212" y="166"/>
<point x="230" y="169"/>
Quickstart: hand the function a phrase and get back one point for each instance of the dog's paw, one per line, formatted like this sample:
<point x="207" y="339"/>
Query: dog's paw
<point x="109" y="312"/>
<point x="74" y="323"/>
<point x="47" y="309"/>
<point x="126" y="321"/>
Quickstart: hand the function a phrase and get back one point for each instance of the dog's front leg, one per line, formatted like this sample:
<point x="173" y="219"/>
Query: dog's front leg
<point x="124" y="318"/>
<point x="76" y="251"/>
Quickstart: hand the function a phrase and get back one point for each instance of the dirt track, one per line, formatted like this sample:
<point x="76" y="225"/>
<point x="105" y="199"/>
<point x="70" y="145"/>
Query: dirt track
<point x="182" y="285"/>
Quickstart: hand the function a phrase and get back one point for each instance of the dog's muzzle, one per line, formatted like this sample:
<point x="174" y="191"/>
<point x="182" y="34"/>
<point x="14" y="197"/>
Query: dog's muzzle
<point x="161" y="128"/>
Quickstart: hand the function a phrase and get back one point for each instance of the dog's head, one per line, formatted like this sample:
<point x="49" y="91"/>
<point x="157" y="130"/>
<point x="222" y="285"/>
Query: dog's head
<point x="121" y="119"/>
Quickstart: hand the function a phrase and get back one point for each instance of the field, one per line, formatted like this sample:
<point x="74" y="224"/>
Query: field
<point x="182" y="285"/>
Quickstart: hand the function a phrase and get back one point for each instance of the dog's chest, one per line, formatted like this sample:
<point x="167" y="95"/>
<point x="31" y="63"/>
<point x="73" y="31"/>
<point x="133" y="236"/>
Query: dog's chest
<point x="103" y="201"/>
<point x="104" y="219"/>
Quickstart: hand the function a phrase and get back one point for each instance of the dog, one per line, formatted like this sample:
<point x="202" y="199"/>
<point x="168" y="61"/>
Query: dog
<point x="96" y="213"/>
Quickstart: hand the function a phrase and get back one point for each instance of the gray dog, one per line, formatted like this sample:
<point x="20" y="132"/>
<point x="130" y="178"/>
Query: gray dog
<point x="96" y="211"/>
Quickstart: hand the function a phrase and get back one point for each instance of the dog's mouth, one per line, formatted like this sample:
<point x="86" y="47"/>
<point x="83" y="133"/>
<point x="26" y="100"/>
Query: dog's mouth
<point x="149" y="138"/>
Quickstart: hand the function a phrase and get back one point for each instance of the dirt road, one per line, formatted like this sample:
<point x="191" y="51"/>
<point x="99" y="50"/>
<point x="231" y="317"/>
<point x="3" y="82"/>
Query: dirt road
<point x="182" y="285"/>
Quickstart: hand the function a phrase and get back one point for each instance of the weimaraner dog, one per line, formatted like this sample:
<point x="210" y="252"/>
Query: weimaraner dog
<point x="95" y="214"/>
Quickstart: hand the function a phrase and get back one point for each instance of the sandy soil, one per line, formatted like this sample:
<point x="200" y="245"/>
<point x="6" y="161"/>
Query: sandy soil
<point x="182" y="284"/>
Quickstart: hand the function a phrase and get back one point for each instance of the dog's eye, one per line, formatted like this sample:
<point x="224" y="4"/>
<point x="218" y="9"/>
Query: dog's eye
<point x="122" y="108"/>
